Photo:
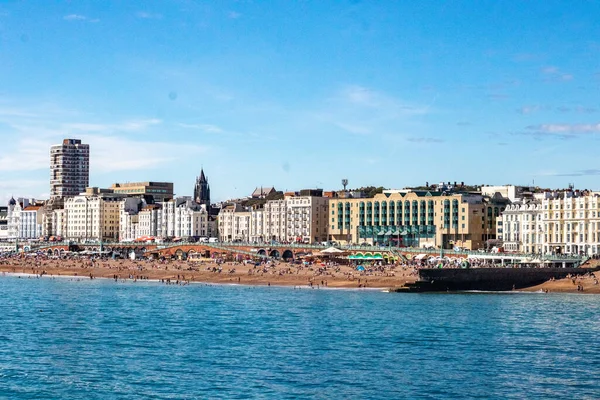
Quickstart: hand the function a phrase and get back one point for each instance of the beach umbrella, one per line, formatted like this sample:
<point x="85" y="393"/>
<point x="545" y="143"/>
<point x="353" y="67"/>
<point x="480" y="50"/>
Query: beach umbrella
<point x="360" y="268"/>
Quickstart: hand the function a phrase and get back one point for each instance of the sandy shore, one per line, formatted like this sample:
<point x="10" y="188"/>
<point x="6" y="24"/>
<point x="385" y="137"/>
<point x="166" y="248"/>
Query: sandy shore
<point x="586" y="284"/>
<point x="281" y="274"/>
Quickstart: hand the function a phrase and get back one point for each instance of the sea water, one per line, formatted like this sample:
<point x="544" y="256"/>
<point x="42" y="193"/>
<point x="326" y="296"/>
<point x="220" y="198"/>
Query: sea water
<point x="97" y="339"/>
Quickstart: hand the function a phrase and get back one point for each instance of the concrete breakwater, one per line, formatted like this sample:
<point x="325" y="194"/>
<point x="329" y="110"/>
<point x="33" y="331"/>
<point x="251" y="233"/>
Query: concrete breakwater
<point x="492" y="279"/>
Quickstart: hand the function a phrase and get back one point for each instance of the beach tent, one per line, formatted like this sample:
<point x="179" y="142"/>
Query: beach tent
<point x="331" y="251"/>
<point x="420" y="256"/>
<point x="360" y="268"/>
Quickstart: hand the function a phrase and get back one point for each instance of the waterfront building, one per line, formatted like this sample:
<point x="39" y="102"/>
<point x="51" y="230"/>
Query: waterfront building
<point x="150" y="220"/>
<point x="30" y="223"/>
<point x="234" y="223"/>
<point x="557" y="222"/>
<point x="299" y="217"/>
<point x="520" y="226"/>
<point x="184" y="218"/>
<point x="416" y="218"/>
<point x="93" y="215"/>
<point x="571" y="222"/>
<point x="274" y="222"/>
<point x="69" y="168"/>
<point x="129" y="210"/>
<point x="14" y="214"/>
<point x="151" y="192"/>
<point x="202" y="190"/>
<point x="306" y="218"/>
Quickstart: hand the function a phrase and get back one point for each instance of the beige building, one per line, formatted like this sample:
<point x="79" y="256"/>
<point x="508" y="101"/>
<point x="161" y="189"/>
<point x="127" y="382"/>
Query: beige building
<point x="416" y="218"/>
<point x="306" y="218"/>
<point x="234" y="223"/>
<point x="93" y="215"/>
<point x="152" y="192"/>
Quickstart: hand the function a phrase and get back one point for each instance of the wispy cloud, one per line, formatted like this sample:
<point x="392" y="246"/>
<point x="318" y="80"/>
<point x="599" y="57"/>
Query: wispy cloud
<point x="424" y="140"/>
<point x="359" y="110"/>
<point x="552" y="73"/>
<point x="559" y="131"/>
<point x="208" y="128"/>
<point x="583" y="172"/>
<point x="79" y="17"/>
<point x="148" y="15"/>
<point x="75" y="17"/>
<point x="115" y="146"/>
<point x="531" y="109"/>
<point x="575" y="129"/>
<point x="125" y="126"/>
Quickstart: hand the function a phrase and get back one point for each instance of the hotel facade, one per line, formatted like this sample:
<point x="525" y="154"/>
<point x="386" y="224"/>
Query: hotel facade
<point x="566" y="222"/>
<point x="416" y="218"/>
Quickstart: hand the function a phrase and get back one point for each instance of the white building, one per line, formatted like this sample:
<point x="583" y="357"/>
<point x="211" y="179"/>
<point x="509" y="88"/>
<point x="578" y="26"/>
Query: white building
<point x="292" y="219"/>
<point x="93" y="215"/>
<point x="129" y="218"/>
<point x="184" y="218"/>
<point x="566" y="222"/>
<point x="22" y="225"/>
<point x="150" y="220"/>
<point x="30" y="223"/>
<point x="520" y="227"/>
<point x="274" y="222"/>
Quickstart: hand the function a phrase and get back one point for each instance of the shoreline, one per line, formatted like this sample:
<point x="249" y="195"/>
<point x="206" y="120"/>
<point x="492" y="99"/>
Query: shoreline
<point x="231" y="273"/>
<point x="190" y="283"/>
<point x="278" y="274"/>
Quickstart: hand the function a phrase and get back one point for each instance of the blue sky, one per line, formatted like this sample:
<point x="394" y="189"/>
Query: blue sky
<point x="302" y="94"/>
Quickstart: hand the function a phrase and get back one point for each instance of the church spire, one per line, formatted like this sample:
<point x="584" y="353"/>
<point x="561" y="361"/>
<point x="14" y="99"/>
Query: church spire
<point x="202" y="190"/>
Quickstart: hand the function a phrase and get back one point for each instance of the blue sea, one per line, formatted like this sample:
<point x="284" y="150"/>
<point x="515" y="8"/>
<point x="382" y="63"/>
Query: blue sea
<point x="97" y="339"/>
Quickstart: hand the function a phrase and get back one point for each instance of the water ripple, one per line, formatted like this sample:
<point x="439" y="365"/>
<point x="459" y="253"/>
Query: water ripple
<point x="105" y="340"/>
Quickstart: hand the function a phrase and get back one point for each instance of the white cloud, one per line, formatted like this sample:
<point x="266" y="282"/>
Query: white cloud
<point x="566" y="128"/>
<point x="75" y="17"/>
<point x="127" y="126"/>
<point x="112" y="153"/>
<point x="361" y="111"/>
<point x="552" y="73"/>
<point x="208" y="128"/>
<point x="148" y="15"/>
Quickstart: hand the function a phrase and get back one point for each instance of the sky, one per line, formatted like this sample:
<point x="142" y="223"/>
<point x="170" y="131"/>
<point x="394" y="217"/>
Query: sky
<point x="300" y="94"/>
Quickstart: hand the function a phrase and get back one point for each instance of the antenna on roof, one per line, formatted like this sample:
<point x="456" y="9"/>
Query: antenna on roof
<point x="344" y="183"/>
